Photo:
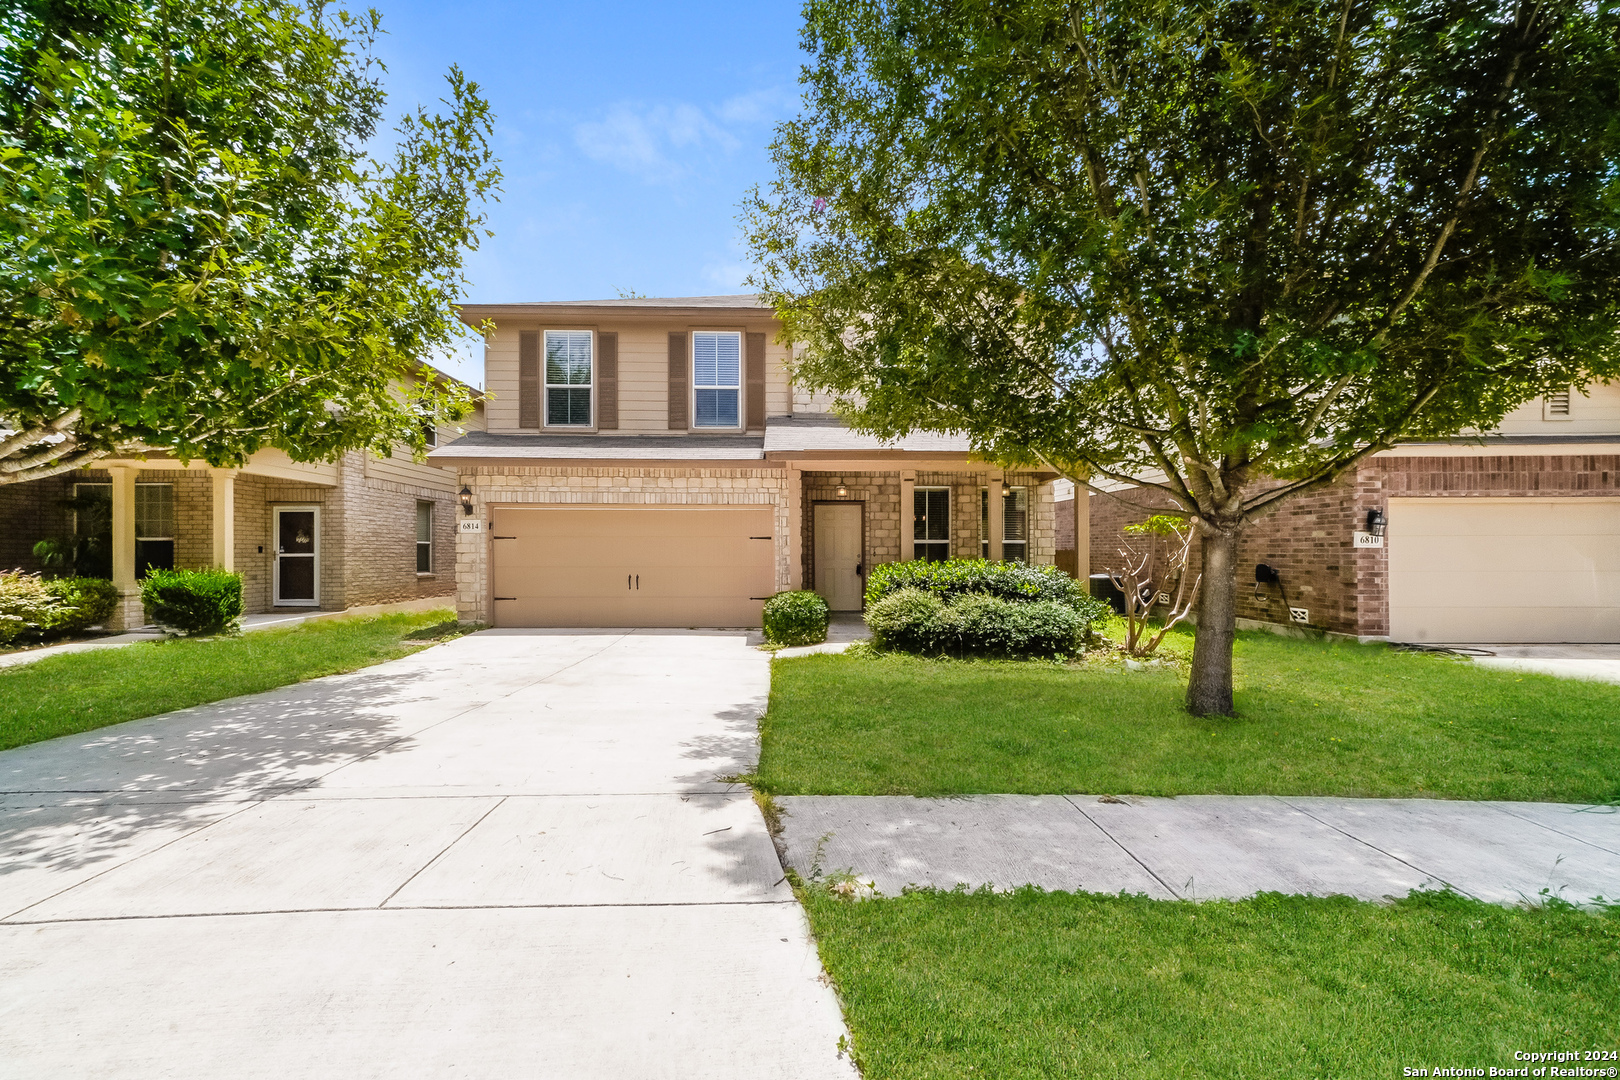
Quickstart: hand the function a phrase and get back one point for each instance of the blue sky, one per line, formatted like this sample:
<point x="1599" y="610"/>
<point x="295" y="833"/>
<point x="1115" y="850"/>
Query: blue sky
<point x="628" y="135"/>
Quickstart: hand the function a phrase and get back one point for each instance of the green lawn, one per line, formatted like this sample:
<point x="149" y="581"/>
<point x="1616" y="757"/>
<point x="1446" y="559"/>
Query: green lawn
<point x="74" y="692"/>
<point x="1314" y="719"/>
<point x="1059" y="985"/>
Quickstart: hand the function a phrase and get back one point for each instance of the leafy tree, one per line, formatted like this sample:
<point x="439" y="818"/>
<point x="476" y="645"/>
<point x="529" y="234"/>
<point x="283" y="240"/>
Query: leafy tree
<point x="1222" y="250"/>
<point x="197" y="253"/>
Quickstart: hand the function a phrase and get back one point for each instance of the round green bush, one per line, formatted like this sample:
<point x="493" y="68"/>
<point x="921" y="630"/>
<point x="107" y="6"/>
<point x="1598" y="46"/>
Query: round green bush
<point x="80" y="602"/>
<point x="193" y="601"/>
<point x="909" y="620"/>
<point x="956" y="577"/>
<point x="795" y="618"/>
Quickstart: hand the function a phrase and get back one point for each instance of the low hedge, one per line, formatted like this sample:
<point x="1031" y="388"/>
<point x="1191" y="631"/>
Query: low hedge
<point x="911" y="620"/>
<point x="35" y="608"/>
<point x="194" y="601"/>
<point x="795" y="618"/>
<point x="957" y="577"/>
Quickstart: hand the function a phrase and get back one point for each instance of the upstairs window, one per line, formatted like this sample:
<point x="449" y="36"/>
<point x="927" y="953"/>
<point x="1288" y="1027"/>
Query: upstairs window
<point x="569" y="373"/>
<point x="716" y="379"/>
<point x="931" y="529"/>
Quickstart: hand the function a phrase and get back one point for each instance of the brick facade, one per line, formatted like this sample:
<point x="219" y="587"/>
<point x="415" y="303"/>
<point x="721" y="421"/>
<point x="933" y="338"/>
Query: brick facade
<point x="1308" y="540"/>
<point x="367" y="529"/>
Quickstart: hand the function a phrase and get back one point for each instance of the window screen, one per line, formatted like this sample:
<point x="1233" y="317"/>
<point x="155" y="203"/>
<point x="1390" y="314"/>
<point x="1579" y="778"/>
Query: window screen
<point x="424" y="538"/>
<point x="568" y="378"/>
<point x="932" y="528"/>
<point x="716" y="379"/>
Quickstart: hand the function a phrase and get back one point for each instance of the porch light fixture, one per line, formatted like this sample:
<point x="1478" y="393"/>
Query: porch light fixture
<point x="843" y="492"/>
<point x="466" y="500"/>
<point x="1376" y="522"/>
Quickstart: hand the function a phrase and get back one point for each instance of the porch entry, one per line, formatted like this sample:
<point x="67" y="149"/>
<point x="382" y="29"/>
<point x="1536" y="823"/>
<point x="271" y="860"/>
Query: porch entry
<point x="839" y="561"/>
<point x="297" y="533"/>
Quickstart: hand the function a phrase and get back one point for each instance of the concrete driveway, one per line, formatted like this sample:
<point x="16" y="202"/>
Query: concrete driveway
<point x="506" y="856"/>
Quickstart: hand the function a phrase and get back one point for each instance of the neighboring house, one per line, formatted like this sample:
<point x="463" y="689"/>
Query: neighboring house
<point x="360" y="530"/>
<point x="1512" y="536"/>
<point x="648" y="463"/>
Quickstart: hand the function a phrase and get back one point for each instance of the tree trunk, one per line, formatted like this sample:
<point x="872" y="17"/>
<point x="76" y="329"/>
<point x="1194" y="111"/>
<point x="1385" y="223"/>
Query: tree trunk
<point x="1209" y="689"/>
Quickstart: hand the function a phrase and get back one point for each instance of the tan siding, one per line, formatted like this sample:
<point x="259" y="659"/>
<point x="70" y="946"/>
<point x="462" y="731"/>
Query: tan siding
<point x="778" y="387"/>
<point x="1597" y="412"/>
<point x="644" y="379"/>
<point x="400" y="469"/>
<point x="501" y="380"/>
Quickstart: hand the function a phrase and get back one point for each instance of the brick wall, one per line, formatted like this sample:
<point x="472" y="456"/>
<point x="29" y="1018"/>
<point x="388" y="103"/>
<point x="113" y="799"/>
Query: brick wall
<point x="32" y="512"/>
<point x="1308" y="540"/>
<point x="605" y="485"/>
<point x="379" y="538"/>
<point x="1063" y="531"/>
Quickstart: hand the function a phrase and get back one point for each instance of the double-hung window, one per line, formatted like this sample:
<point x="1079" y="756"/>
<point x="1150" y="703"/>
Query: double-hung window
<point x="424" y="538"/>
<point x="931" y="529"/>
<point x="1014" y="524"/>
<point x="716" y="379"/>
<point x="569" y="374"/>
<point x="154" y="527"/>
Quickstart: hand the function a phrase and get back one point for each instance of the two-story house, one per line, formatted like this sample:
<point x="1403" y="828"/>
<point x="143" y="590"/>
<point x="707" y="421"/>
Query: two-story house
<point x="649" y="463"/>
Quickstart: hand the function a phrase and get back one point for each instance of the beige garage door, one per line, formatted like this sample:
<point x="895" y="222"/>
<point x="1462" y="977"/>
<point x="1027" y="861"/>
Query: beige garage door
<point x="624" y="566"/>
<point x="1504" y="570"/>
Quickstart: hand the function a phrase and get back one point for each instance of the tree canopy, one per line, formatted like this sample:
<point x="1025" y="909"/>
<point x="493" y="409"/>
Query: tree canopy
<point x="198" y="252"/>
<point x="1220" y="250"/>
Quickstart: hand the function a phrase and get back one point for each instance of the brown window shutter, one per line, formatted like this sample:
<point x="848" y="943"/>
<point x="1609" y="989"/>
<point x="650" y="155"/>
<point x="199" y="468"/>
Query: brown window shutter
<point x="529" y="379"/>
<point x="607" y="381"/>
<point x="755" y="381"/>
<point x="677" y="382"/>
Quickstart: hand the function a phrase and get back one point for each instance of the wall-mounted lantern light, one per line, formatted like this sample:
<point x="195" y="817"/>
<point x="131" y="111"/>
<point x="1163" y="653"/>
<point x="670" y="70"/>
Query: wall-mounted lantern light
<point x="1376" y="522"/>
<point x="466" y="500"/>
<point x="843" y="492"/>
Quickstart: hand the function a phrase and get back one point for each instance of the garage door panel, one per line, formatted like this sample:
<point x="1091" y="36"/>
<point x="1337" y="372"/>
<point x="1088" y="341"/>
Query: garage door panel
<point x="1504" y="570"/>
<point x="632" y="566"/>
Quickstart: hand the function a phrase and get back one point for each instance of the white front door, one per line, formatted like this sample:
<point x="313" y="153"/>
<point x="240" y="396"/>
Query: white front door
<point x="838" y="555"/>
<point x="298" y="545"/>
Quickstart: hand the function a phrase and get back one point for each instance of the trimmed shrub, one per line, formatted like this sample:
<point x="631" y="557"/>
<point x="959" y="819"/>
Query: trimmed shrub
<point x="910" y="620"/>
<point x="992" y="626"/>
<point x="795" y="618"/>
<point x="194" y="601"/>
<point x="956" y="577"/>
<point x="80" y="602"/>
<point x="26" y="606"/>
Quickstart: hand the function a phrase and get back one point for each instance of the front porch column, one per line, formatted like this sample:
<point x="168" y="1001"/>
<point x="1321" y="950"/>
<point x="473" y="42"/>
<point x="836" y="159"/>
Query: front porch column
<point x="1082" y="533"/>
<point x="224" y="518"/>
<point x="908" y="515"/>
<point x="129" y="613"/>
<point x="997" y="526"/>
<point x="795" y="513"/>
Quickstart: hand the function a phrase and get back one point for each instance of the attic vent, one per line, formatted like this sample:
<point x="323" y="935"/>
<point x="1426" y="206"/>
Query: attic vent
<point x="1558" y="403"/>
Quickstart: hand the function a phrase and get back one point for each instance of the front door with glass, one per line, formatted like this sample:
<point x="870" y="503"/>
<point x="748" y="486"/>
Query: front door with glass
<point x="297" y="556"/>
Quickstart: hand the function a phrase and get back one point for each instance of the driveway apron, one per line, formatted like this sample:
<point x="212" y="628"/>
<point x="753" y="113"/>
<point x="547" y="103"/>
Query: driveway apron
<point x="508" y="856"/>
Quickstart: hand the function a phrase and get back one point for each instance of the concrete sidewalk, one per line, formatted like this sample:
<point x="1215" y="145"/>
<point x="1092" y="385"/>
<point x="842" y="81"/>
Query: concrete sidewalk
<point x="270" y="620"/>
<point x="1209" y="846"/>
<point x="507" y="856"/>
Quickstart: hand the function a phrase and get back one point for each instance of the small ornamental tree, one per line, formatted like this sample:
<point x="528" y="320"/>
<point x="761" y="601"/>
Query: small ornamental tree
<point x="1223" y="251"/>
<point x="198" y="255"/>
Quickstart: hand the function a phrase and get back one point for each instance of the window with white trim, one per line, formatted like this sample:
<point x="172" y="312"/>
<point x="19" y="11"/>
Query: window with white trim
<point x="569" y="378"/>
<point x="154" y="528"/>
<point x="716" y="379"/>
<point x="424" y="538"/>
<point x="931" y="529"/>
<point x="1014" y="524"/>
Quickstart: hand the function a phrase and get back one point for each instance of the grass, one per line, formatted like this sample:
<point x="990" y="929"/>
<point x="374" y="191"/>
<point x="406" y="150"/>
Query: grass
<point x="1032" y="984"/>
<point x="1314" y="719"/>
<point x="75" y="692"/>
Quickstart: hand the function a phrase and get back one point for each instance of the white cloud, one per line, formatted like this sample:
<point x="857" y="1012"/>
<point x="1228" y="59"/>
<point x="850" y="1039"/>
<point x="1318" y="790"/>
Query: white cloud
<point x="661" y="141"/>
